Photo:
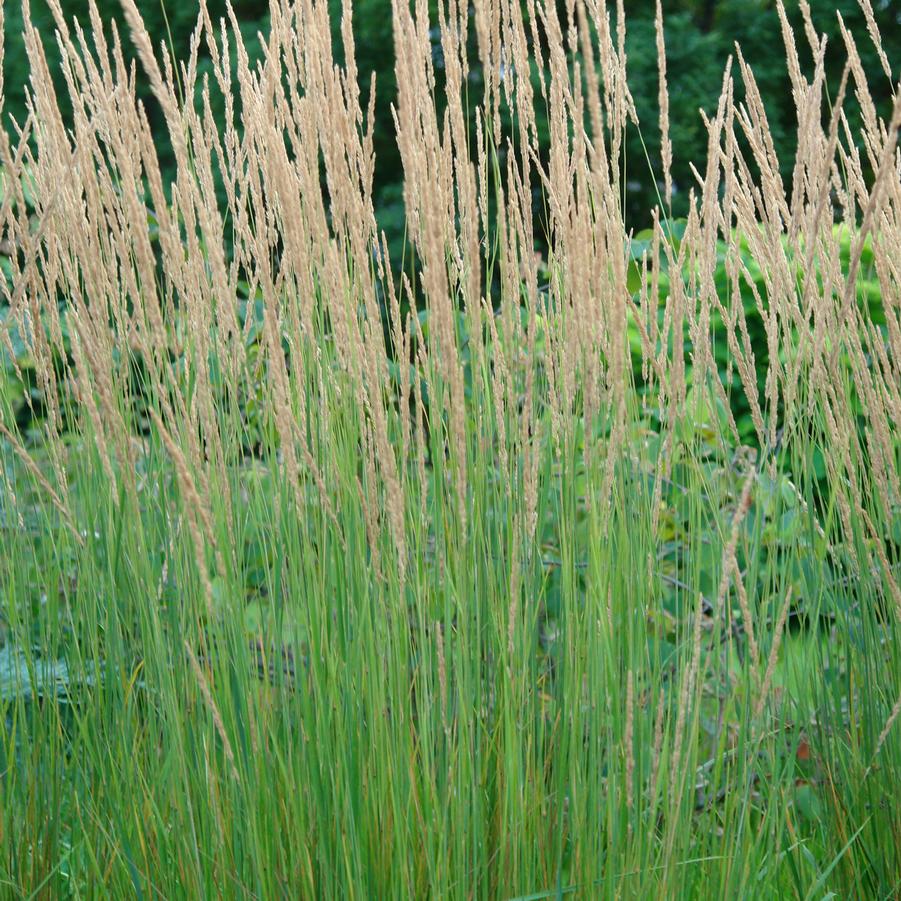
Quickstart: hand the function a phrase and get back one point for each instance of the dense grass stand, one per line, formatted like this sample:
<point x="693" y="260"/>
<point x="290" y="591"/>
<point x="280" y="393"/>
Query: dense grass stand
<point x="477" y="573"/>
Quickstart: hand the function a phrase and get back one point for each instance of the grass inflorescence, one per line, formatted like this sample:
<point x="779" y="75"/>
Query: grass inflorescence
<point x="558" y="561"/>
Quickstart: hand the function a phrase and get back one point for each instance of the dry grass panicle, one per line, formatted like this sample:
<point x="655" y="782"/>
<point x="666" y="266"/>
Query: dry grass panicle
<point x="444" y="479"/>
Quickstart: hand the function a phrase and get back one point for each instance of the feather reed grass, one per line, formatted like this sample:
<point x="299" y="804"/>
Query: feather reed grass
<point x="490" y="511"/>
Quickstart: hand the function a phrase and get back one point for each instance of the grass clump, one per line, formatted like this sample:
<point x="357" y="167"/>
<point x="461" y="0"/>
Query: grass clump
<point x="323" y="580"/>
